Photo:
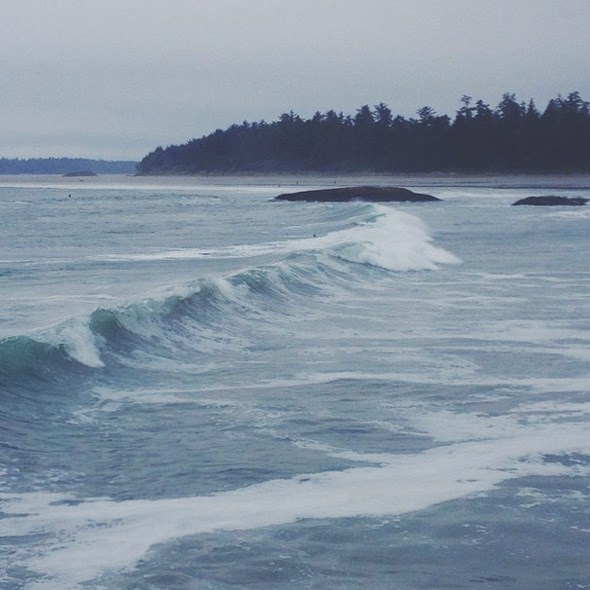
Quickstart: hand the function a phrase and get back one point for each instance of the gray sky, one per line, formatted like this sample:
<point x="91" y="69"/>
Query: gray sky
<point x="115" y="78"/>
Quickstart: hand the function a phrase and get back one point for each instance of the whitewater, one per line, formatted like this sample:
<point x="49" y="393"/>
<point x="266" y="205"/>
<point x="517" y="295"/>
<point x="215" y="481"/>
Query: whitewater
<point x="203" y="388"/>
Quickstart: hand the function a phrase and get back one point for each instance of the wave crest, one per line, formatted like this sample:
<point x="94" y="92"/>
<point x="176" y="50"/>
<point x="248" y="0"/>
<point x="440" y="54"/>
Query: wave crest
<point x="205" y="316"/>
<point x="393" y="240"/>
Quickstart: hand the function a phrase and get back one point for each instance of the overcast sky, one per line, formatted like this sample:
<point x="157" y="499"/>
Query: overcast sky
<point x="113" y="79"/>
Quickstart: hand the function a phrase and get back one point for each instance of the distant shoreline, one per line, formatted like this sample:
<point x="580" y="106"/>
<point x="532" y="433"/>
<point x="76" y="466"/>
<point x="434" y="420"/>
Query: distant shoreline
<point x="512" y="181"/>
<point x="33" y="166"/>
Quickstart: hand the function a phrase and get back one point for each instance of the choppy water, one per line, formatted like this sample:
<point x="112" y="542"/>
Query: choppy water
<point x="204" y="389"/>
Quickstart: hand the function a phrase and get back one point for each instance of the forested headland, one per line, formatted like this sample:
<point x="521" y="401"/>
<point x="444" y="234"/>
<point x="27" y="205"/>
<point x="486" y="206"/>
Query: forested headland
<point x="514" y="136"/>
<point x="65" y="166"/>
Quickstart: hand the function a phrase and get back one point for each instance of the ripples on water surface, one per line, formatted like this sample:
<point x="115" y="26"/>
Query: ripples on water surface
<point x="201" y="388"/>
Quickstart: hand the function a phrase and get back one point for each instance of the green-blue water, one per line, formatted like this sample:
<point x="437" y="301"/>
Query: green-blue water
<point x="202" y="388"/>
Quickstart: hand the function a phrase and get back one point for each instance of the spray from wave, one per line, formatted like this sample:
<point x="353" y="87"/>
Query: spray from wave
<point x="380" y="236"/>
<point x="393" y="240"/>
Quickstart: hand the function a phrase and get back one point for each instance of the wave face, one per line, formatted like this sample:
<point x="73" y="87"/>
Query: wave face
<point x="382" y="238"/>
<point x="203" y="388"/>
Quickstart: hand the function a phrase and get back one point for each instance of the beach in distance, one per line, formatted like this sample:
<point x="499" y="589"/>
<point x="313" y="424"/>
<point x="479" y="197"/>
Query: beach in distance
<point x="202" y="387"/>
<point x="501" y="181"/>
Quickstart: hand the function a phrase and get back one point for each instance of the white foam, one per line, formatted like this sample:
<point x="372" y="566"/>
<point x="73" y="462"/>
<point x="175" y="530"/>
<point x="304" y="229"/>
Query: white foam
<point x="533" y="331"/>
<point x="77" y="340"/>
<point x="538" y="385"/>
<point x="98" y="535"/>
<point x="576" y="214"/>
<point x="394" y="240"/>
<point x="234" y="251"/>
<point x="176" y="254"/>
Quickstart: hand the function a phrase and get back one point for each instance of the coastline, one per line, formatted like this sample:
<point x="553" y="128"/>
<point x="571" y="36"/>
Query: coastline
<point x="573" y="181"/>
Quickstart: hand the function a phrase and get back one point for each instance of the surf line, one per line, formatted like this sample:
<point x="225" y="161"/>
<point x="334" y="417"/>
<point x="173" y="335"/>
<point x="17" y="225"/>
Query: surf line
<point x="99" y="535"/>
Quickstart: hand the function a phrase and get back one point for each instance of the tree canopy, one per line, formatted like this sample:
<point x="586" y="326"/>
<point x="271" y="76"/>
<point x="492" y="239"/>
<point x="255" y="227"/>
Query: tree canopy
<point x="513" y="136"/>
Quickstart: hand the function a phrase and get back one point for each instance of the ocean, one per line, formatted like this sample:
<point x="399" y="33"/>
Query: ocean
<point x="202" y="388"/>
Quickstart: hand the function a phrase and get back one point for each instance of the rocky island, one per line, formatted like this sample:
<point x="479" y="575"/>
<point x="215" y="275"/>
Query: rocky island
<point x="358" y="193"/>
<point x="551" y="200"/>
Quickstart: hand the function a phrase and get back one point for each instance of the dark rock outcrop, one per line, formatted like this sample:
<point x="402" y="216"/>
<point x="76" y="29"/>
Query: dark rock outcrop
<point x="358" y="193"/>
<point x="551" y="200"/>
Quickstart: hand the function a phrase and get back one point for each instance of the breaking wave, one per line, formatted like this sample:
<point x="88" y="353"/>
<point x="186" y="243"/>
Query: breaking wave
<point x="208" y="314"/>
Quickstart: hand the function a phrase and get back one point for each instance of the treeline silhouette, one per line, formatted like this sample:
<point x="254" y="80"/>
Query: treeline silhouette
<point x="514" y="136"/>
<point x="64" y="165"/>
